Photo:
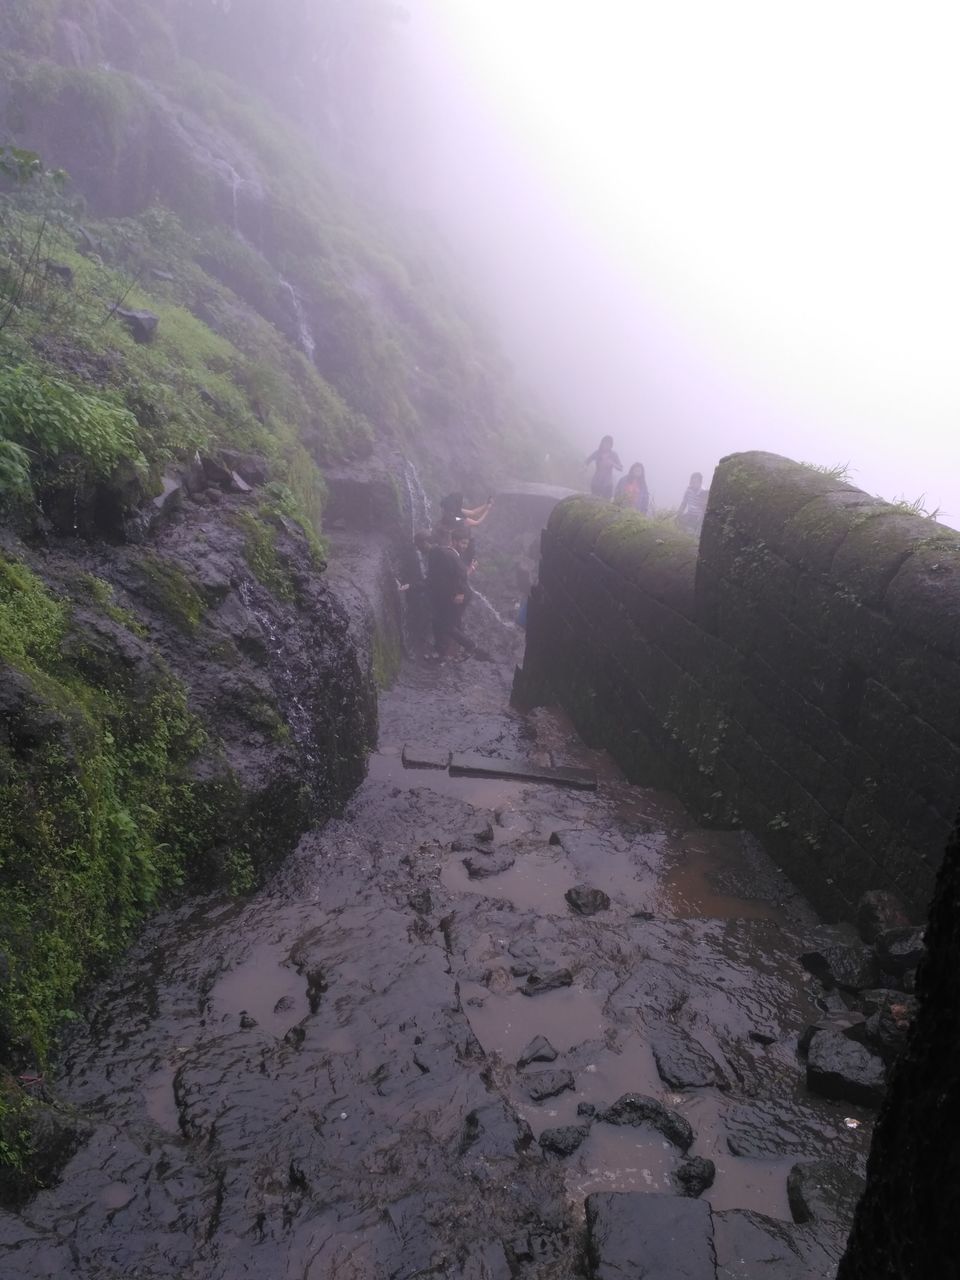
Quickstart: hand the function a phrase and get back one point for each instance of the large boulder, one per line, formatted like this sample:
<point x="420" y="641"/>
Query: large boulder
<point x="633" y="1236"/>
<point x="845" y="1071"/>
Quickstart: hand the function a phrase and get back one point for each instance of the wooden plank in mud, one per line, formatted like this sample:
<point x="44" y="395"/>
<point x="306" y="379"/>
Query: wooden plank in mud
<point x="469" y="764"/>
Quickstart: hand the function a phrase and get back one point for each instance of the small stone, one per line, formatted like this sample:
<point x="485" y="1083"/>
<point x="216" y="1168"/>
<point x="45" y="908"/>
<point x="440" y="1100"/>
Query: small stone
<point x="537" y="983"/>
<point x="547" y="1084"/>
<point x="246" y="1022"/>
<point x="763" y="1037"/>
<point x="564" y="1140"/>
<point x="482" y="867"/>
<point x="638" y="1109"/>
<point x="878" y="911"/>
<point x="845" y="1071"/>
<point x="587" y="1109"/>
<point x="586" y="901"/>
<point x="694" y="1175"/>
<point x="538" y="1050"/>
<point x="238" y="484"/>
<point x="485" y="834"/>
<point x="421" y="901"/>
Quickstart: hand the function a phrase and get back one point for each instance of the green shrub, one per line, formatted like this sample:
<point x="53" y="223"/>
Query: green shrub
<point x="51" y="419"/>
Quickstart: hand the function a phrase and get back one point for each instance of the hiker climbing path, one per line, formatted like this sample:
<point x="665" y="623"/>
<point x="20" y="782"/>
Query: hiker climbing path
<point x="456" y="1013"/>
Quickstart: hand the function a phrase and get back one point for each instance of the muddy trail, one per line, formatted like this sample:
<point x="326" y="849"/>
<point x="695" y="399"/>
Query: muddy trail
<point x="329" y="1079"/>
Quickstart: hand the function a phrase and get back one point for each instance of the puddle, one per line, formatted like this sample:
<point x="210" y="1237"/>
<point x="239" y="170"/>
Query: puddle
<point x="273" y="994"/>
<point x="621" y="1158"/>
<point x="506" y="1024"/>
<point x="689" y="888"/>
<point x="536" y="881"/>
<point x="116" y="1194"/>
<point x="159" y="1101"/>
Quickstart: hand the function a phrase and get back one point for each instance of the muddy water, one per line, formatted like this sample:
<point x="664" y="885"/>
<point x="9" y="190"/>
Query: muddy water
<point x="321" y="1081"/>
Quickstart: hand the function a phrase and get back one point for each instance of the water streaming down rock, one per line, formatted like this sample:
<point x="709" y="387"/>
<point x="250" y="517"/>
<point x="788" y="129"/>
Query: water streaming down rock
<point x="307" y="341"/>
<point x="297" y="716"/>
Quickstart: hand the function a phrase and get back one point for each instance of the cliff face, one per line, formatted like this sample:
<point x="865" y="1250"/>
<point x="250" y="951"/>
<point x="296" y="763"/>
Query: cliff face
<point x="194" y="325"/>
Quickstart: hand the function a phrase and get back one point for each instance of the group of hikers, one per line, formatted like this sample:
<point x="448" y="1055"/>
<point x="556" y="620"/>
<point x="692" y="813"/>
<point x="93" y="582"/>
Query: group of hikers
<point x="631" y="489"/>
<point x="448" y="552"/>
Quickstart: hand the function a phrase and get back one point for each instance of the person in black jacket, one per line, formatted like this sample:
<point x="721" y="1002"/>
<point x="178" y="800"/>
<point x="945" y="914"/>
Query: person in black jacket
<point x="448" y="589"/>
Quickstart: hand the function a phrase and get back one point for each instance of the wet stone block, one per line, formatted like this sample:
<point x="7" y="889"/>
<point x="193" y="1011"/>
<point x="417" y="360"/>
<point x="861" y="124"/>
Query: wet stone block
<point x="683" y="1063"/>
<point x="823" y="1190"/>
<point x="469" y="764"/>
<point x="424" y="757"/>
<point x="850" y="967"/>
<point x="495" y="1132"/>
<point x="632" y="1236"/>
<point x="840" y="1069"/>
<point x="751" y="1246"/>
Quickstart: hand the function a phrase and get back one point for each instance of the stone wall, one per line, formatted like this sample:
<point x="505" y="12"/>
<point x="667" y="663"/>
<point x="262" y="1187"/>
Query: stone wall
<point x="798" y="673"/>
<point x="905" y="1226"/>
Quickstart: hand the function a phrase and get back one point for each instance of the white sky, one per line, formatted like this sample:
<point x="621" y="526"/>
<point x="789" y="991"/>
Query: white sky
<point x="717" y="224"/>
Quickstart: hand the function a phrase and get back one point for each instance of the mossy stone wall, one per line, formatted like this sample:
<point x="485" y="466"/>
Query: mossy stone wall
<point x="798" y="673"/>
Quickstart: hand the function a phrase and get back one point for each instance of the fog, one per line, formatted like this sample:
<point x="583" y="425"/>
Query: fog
<point x="706" y="227"/>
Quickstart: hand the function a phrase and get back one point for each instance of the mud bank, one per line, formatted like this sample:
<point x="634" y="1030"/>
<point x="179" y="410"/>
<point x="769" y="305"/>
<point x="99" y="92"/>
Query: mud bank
<point x="323" y="1080"/>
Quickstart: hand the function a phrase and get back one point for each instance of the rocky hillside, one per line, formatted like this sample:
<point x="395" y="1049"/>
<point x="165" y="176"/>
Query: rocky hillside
<point x="199" y="317"/>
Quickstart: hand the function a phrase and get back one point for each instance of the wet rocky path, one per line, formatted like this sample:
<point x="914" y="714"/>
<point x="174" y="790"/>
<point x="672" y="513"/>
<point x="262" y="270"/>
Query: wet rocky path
<point x="322" y="1081"/>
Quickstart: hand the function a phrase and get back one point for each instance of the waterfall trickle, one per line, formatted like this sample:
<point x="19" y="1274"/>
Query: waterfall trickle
<point x="308" y="343"/>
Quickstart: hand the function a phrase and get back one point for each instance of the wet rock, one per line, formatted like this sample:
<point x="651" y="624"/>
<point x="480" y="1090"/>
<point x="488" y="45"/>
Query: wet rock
<point x="511" y="820"/>
<point x="763" y="1037"/>
<point x="421" y="901"/>
<point x="759" y="1129"/>
<point x="425" y="758"/>
<point x="587" y="1109"/>
<point x="878" y="911"/>
<point x="60" y="271"/>
<point x="142" y="324"/>
<point x="494" y="1131"/>
<point x="683" y="1063"/>
<point x="638" y="1109"/>
<point x="538" y="983"/>
<point x="538" y="1050"/>
<point x="900" y="950"/>
<point x="547" y="1084"/>
<point x="586" y="901"/>
<point x="246" y="1022"/>
<point x="848" y="1024"/>
<point x="481" y="867"/>
<point x="564" y="1140"/>
<point x="238" y="484"/>
<point x="845" y="1071"/>
<point x="485" y="834"/>
<point x="751" y="1246"/>
<point x="694" y="1175"/>
<point x="253" y="467"/>
<point x="849" y="966"/>
<point x="823" y="1190"/>
<point x="887" y="1028"/>
<point x="631" y="1235"/>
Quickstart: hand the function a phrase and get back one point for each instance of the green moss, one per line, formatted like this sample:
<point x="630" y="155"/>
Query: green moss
<point x="101" y="593"/>
<point x="260" y="552"/>
<point x="172" y="592"/>
<point x="387" y="656"/>
<point x="91" y="783"/>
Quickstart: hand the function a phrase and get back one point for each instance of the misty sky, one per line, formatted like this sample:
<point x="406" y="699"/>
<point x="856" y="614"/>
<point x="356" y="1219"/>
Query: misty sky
<point x="709" y="226"/>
